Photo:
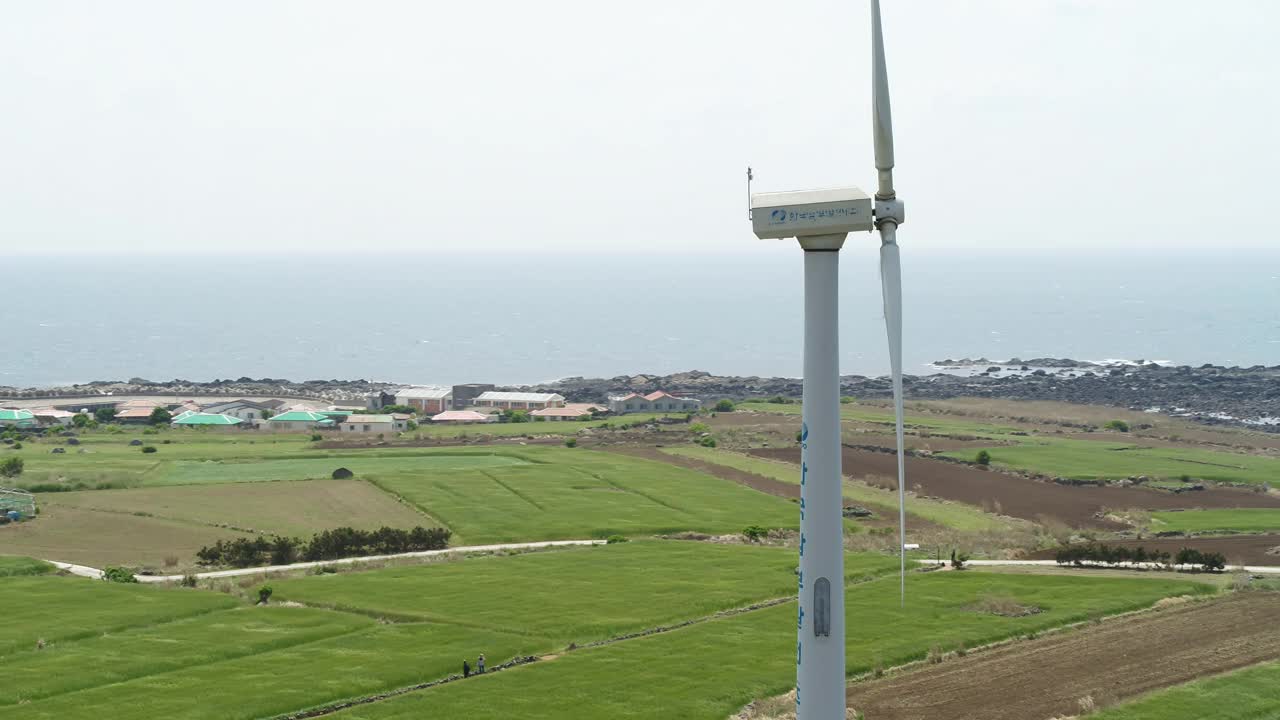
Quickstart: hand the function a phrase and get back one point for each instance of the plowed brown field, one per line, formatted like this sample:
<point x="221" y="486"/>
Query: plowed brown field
<point x="1022" y="497"/>
<point x="1118" y="659"/>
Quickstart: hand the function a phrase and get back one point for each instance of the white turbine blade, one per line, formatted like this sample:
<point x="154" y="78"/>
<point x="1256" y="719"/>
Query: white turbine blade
<point x="883" y="120"/>
<point x="891" y="282"/>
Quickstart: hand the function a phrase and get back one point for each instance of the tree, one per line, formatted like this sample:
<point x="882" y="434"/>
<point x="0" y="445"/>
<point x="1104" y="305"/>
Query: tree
<point x="266" y="414"/>
<point x="725" y="405"/>
<point x="11" y="467"/>
<point x="754" y="533"/>
<point x="571" y="442"/>
<point x="1117" y="425"/>
<point x="983" y="458"/>
<point x="105" y="415"/>
<point x="160" y="416"/>
<point x="118" y="575"/>
<point x="80" y="420"/>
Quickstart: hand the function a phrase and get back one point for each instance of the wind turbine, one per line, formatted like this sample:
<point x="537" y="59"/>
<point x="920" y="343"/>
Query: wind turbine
<point x="821" y="220"/>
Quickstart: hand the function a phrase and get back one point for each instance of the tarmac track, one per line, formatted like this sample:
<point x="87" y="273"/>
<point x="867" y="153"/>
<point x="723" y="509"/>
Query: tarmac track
<point x="1109" y="662"/>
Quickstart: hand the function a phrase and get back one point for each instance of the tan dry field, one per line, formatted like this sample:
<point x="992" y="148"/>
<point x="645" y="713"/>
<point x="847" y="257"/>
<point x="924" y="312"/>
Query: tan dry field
<point x="853" y="432"/>
<point x="98" y="539"/>
<point x="1022" y="497"/>
<point x="1108" y="662"/>
<point x="1238" y="549"/>
<point x="298" y="508"/>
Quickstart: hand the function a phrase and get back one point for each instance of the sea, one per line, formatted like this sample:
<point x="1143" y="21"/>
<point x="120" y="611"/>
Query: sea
<point x="531" y="318"/>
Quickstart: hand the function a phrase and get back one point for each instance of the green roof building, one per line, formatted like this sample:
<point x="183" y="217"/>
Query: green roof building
<point x="17" y="418"/>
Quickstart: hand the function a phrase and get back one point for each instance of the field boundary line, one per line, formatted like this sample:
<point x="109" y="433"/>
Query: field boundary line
<point x="633" y="491"/>
<point x="512" y="490"/>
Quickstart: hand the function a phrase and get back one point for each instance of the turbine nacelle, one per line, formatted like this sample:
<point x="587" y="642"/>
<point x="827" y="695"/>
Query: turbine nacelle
<point x="808" y="213"/>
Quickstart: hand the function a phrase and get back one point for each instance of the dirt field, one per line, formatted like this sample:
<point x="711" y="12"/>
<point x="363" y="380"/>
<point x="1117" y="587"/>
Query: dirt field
<point x="1020" y="497"/>
<point x="298" y="508"/>
<point x="1118" y="659"/>
<point x="1239" y="549"/>
<point x="97" y="539"/>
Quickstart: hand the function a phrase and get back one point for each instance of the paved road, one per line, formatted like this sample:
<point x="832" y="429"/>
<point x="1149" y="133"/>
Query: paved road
<point x="85" y="571"/>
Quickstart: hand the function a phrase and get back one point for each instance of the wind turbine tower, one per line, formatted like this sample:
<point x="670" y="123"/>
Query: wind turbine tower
<point x="821" y="220"/>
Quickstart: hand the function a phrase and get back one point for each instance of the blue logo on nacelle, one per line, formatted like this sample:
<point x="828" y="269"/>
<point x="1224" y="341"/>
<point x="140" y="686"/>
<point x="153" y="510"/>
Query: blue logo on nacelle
<point x="777" y="217"/>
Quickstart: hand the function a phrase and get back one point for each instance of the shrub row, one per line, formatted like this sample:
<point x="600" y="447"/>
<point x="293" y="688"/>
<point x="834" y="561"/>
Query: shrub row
<point x="1078" y="555"/>
<point x="328" y="545"/>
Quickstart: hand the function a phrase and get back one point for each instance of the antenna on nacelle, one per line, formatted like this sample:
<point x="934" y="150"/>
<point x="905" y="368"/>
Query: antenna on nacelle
<point x="749" y="179"/>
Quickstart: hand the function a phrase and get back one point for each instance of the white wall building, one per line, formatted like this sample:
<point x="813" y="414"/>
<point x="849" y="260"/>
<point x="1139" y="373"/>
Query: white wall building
<point x="519" y="400"/>
<point x="653" y="402"/>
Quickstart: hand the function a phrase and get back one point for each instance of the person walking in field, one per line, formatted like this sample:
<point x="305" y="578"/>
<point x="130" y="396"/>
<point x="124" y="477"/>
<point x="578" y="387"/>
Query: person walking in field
<point x="466" y="669"/>
<point x="480" y="664"/>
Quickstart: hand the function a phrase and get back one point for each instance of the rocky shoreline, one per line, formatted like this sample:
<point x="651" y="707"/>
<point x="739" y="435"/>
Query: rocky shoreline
<point x="1209" y="393"/>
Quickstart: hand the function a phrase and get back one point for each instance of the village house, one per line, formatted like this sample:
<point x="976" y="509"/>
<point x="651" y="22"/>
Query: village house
<point x="369" y="424"/>
<point x="425" y="400"/>
<point x="299" y="421"/>
<point x="571" y="411"/>
<point x="519" y="400"/>
<point x="462" y="417"/>
<point x="249" y="410"/>
<point x="658" y="401"/>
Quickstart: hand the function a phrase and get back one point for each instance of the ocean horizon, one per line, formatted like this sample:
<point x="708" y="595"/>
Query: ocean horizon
<point x="443" y="319"/>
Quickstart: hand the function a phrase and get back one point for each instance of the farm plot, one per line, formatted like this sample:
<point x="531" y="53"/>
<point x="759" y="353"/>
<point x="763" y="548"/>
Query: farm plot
<point x="1022" y="497"/>
<point x="57" y="609"/>
<point x="288" y="679"/>
<point x="946" y="514"/>
<point x="246" y="470"/>
<point x="578" y="594"/>
<point x="1248" y="693"/>
<point x="298" y="508"/>
<point x="89" y="537"/>
<point x="575" y="493"/>
<point x="1238" y="520"/>
<point x="60" y="668"/>
<point x="1106" y="663"/>
<point x="14" y="566"/>
<point x="710" y="670"/>
<point x="1086" y="460"/>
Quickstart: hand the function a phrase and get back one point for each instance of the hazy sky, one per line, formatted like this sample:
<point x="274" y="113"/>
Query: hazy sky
<point x="566" y="127"/>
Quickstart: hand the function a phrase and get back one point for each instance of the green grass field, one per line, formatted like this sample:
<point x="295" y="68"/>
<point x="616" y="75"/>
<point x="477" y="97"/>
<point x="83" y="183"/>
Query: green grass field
<point x="164" y="647"/>
<point x="947" y="514"/>
<point x="596" y="592"/>
<point x="881" y="416"/>
<point x="710" y="670"/>
<point x="531" y="429"/>
<point x="58" y="609"/>
<point x="576" y="493"/>
<point x="1235" y="520"/>
<point x="1249" y="694"/>
<point x="1086" y="459"/>
<point x="15" y="565"/>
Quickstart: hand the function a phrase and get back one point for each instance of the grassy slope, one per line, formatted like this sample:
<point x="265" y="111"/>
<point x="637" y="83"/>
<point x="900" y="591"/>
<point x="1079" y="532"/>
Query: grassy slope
<point x="1229" y="520"/>
<point x="15" y="565"/>
<point x="1249" y="694"/>
<point x="707" y="671"/>
<point x="66" y="608"/>
<point x="580" y="594"/>
<point x="955" y="515"/>
<point x="576" y="493"/>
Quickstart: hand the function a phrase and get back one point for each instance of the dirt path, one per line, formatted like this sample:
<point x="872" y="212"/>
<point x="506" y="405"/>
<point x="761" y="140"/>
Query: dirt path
<point x="1019" y="496"/>
<point x="1112" y="661"/>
